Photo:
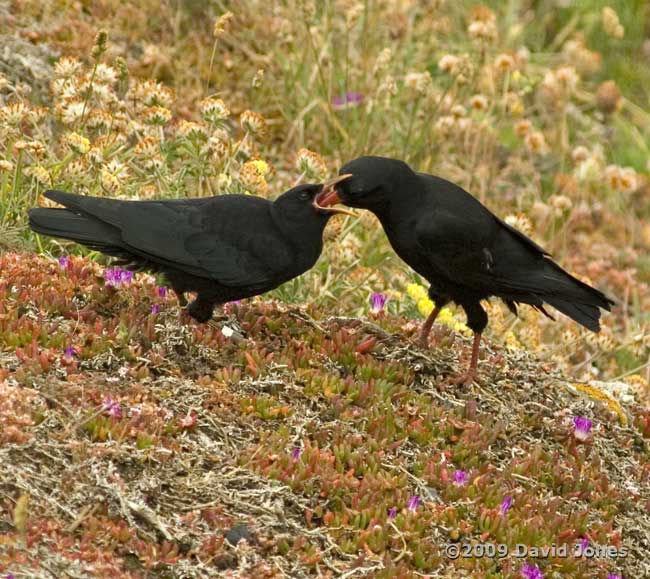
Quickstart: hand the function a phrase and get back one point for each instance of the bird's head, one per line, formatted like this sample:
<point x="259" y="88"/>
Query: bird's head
<point x="366" y="183"/>
<point x="299" y="205"/>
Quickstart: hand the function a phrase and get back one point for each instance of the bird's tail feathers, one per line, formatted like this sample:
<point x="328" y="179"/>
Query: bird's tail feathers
<point x="68" y="225"/>
<point x="572" y="297"/>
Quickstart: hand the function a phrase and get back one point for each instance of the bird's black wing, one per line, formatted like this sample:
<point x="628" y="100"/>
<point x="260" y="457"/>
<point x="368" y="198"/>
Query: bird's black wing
<point x="489" y="258"/>
<point x="230" y="238"/>
<point x="458" y="248"/>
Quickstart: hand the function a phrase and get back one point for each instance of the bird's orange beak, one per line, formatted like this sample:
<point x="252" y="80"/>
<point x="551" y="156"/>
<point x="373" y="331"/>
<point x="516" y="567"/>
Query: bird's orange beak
<point x="329" y="196"/>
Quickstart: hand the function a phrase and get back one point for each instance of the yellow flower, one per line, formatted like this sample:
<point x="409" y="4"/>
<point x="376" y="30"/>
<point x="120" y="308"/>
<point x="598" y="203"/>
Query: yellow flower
<point x="416" y="292"/>
<point x="425" y="306"/>
<point x="77" y="143"/>
<point x="261" y="166"/>
<point x="252" y="174"/>
<point x="511" y="341"/>
<point x="39" y="173"/>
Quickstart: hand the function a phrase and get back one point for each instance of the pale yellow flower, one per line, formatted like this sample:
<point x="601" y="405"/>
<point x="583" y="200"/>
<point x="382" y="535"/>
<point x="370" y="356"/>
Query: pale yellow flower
<point x="157" y="115"/>
<point x="311" y="164"/>
<point x="191" y="130"/>
<point x="253" y="123"/>
<point x="536" y="143"/>
<point x="214" y="110"/>
<point x="66" y="67"/>
<point x="479" y="102"/>
<point x="611" y="24"/>
<point x="419" y="82"/>
<point x="222" y="23"/>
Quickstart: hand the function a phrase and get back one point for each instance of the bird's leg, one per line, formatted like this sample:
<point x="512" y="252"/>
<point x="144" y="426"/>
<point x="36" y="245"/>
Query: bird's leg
<point x="201" y="310"/>
<point x="182" y="300"/>
<point x="472" y="373"/>
<point x="426" y="327"/>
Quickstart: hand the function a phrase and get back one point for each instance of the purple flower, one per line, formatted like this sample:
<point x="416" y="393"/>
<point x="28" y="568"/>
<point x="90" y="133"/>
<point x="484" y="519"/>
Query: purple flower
<point x="64" y="262"/>
<point x="295" y="453"/>
<point x="155" y="308"/>
<point x="69" y="353"/>
<point x="414" y="503"/>
<point x="11" y="576"/>
<point x="112" y="407"/>
<point x="584" y="543"/>
<point x="349" y="100"/>
<point x="460" y="478"/>
<point x="582" y="427"/>
<point x="614" y="576"/>
<point x="117" y="276"/>
<point x="505" y="505"/>
<point x="529" y="571"/>
<point x="392" y="513"/>
<point x="377" y="302"/>
<point x="162" y="291"/>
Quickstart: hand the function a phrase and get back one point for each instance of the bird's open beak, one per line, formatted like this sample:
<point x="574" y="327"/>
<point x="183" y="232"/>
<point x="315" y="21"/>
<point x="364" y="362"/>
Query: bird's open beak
<point x="329" y="196"/>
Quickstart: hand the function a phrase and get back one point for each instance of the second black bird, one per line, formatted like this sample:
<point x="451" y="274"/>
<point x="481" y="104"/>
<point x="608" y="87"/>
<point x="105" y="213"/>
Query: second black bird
<point x="465" y="251"/>
<point x="223" y="248"/>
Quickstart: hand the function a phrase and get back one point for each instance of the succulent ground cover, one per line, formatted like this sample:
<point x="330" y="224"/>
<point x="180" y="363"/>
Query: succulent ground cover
<point x="135" y="443"/>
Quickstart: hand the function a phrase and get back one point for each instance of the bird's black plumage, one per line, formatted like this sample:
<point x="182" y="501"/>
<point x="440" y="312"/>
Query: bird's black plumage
<point x="465" y="251"/>
<point x="223" y="248"/>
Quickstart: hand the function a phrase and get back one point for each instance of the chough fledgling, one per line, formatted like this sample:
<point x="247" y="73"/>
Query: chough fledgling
<point x="466" y="253"/>
<point x="223" y="248"/>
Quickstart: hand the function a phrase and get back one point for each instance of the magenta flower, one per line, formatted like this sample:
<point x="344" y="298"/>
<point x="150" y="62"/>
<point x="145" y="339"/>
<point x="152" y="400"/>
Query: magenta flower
<point x="64" y="262"/>
<point x="614" y="576"/>
<point x="155" y="308"/>
<point x="377" y="302"/>
<point x="582" y="427"/>
<point x="392" y="513"/>
<point x="460" y="478"/>
<point x="295" y="453"/>
<point x="112" y="407"/>
<point x="117" y="276"/>
<point x="529" y="571"/>
<point x="414" y="503"/>
<point x="162" y="291"/>
<point x="349" y="100"/>
<point x="505" y="505"/>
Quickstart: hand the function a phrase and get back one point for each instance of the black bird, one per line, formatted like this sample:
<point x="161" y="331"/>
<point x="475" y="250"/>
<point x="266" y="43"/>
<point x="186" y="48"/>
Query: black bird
<point x="223" y="248"/>
<point x="465" y="251"/>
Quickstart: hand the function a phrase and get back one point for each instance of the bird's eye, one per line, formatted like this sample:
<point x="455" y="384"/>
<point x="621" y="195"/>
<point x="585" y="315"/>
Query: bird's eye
<point x="304" y="196"/>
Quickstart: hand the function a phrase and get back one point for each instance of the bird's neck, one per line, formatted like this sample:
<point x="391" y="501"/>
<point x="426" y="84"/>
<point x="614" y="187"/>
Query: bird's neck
<point x="306" y="236"/>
